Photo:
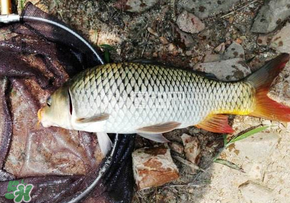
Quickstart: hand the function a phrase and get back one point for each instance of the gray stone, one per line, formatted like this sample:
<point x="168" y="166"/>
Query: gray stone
<point x="280" y="90"/>
<point x="281" y="41"/>
<point x="184" y="39"/>
<point x="207" y="8"/>
<point x="188" y="22"/>
<point x="135" y="5"/>
<point x="226" y="70"/>
<point x="235" y="50"/>
<point x="270" y="15"/>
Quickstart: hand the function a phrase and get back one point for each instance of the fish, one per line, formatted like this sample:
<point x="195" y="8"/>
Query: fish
<point x="149" y="100"/>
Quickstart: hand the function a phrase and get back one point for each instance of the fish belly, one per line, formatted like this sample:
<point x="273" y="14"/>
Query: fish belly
<point x="136" y="96"/>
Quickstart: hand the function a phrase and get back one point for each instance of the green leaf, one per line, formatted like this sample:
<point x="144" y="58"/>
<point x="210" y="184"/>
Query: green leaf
<point x="229" y="164"/>
<point x="225" y="136"/>
<point x="247" y="134"/>
<point x="107" y="56"/>
<point x="107" y="47"/>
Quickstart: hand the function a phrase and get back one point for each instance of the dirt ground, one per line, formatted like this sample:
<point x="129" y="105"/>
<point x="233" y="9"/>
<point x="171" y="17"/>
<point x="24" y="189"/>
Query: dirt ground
<point x="153" y="34"/>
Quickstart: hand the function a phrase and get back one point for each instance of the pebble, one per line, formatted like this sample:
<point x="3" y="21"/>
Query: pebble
<point x="153" y="167"/>
<point x="137" y="6"/>
<point x="191" y="148"/>
<point x="263" y="40"/>
<point x="270" y="15"/>
<point x="151" y="31"/>
<point x="189" y="23"/>
<point x="163" y="40"/>
<point x="226" y="70"/>
<point x="220" y="48"/>
<point x="176" y="147"/>
<point x="281" y="41"/>
<point x="207" y="8"/>
<point x="235" y="50"/>
<point x="183" y="39"/>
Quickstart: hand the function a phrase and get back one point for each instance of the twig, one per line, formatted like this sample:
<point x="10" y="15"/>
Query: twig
<point x="191" y="165"/>
<point x="239" y="9"/>
<point x="173" y="8"/>
<point x="185" y="185"/>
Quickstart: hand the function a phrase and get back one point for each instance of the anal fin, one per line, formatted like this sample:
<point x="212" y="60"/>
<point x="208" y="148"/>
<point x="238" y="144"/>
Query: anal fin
<point x="159" y="128"/>
<point x="105" y="142"/>
<point x="216" y="123"/>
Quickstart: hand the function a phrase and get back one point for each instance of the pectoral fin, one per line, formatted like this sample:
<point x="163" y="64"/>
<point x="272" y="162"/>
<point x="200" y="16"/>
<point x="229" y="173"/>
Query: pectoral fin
<point x="216" y="123"/>
<point x="100" y="117"/>
<point x="154" y="137"/>
<point x="160" y="128"/>
<point x="105" y="142"/>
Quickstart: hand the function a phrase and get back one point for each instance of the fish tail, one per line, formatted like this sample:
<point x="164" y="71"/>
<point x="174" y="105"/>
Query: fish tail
<point x="261" y="81"/>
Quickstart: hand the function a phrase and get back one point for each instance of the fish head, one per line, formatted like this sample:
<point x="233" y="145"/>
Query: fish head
<point x="57" y="111"/>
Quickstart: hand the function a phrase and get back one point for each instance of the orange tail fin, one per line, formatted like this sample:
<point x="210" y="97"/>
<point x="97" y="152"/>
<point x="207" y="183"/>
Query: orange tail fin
<point x="262" y="80"/>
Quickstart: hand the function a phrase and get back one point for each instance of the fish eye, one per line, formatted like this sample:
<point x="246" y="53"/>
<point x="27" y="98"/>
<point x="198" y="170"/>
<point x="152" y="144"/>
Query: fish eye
<point x="48" y="101"/>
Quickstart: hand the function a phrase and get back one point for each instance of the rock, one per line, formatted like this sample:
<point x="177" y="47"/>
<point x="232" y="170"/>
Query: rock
<point x="235" y="50"/>
<point x="263" y="40"/>
<point x="176" y="147"/>
<point x="280" y="90"/>
<point x="181" y="38"/>
<point x="209" y="57"/>
<point x="271" y="14"/>
<point x="257" y="147"/>
<point x="226" y="70"/>
<point x="220" y="48"/>
<point x="191" y="148"/>
<point x="153" y="167"/>
<point x="281" y="41"/>
<point x="188" y="22"/>
<point x="207" y="8"/>
<point x="255" y="193"/>
<point x="163" y="40"/>
<point x="135" y="5"/>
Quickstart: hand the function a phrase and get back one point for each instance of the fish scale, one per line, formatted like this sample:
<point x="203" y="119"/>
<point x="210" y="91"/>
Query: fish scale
<point x="166" y="94"/>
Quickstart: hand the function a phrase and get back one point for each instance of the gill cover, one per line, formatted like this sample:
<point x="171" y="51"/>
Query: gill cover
<point x="58" y="109"/>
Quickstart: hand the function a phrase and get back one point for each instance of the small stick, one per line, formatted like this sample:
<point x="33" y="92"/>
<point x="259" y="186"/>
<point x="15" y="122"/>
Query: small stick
<point x="239" y="9"/>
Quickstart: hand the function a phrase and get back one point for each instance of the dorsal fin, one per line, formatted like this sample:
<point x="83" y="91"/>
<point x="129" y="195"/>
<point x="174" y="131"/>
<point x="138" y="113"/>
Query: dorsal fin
<point x="216" y="123"/>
